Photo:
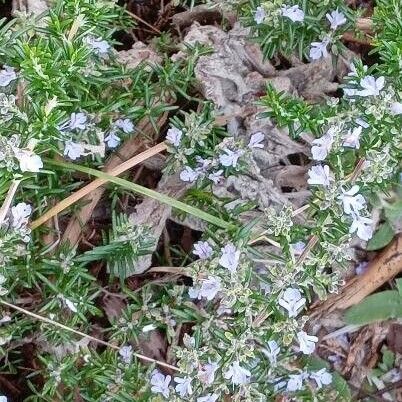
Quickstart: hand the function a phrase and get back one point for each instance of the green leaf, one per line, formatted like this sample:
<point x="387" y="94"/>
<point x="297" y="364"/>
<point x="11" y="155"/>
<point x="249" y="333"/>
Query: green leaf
<point x="388" y="358"/>
<point x="165" y="199"/>
<point x="378" y="307"/>
<point x="381" y="238"/>
<point x="399" y="285"/>
<point x="394" y="211"/>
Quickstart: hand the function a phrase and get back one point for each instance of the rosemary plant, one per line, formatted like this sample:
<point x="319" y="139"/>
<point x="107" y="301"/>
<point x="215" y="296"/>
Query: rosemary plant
<point x="236" y="327"/>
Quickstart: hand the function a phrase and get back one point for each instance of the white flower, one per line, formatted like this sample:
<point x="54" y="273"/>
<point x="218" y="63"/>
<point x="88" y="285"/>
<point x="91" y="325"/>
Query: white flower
<point x="126" y="353"/>
<point x="99" y="45"/>
<point x="209" y="288"/>
<point x="70" y="305"/>
<point x="293" y="12"/>
<point x="160" y="383"/>
<point x="306" y="342"/>
<point x="203" y="164"/>
<point x="292" y="301"/>
<point x="174" y="136"/>
<point x="206" y="373"/>
<point x="259" y="15"/>
<point x="363" y="227"/>
<point x="4" y="398"/>
<point x="125" y="124"/>
<point x="3" y="290"/>
<point x="189" y="174"/>
<point x="361" y="268"/>
<point x="396" y="108"/>
<point x="349" y="92"/>
<point x="295" y="382"/>
<point x="336" y="19"/>
<point x="223" y="309"/>
<point x="273" y="352"/>
<point x="183" y="386"/>
<point x="322" y="146"/>
<point x="216" y="176"/>
<point x="203" y="250"/>
<point x="149" y="327"/>
<point x="352" y="139"/>
<point x="78" y="121"/>
<point x="362" y="123"/>
<point x="207" y="398"/>
<point x="319" y="49"/>
<point x="319" y="175"/>
<point x="20" y="214"/>
<point x="256" y="139"/>
<point x="73" y="150"/>
<point x="321" y="377"/>
<point x="230" y="158"/>
<point x="112" y="140"/>
<point x="265" y="287"/>
<point x="189" y="341"/>
<point x="298" y="247"/>
<point x="29" y="162"/>
<point x="5" y="319"/>
<point x="371" y="86"/>
<point x="7" y="75"/>
<point x="230" y="257"/>
<point x="352" y="202"/>
<point x="238" y="374"/>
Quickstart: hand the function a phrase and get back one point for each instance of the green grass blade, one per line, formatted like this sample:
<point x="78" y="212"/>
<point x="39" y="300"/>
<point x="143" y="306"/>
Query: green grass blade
<point x="147" y="192"/>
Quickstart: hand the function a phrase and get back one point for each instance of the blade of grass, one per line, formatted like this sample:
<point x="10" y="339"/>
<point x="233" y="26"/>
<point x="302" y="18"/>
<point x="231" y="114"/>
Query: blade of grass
<point x="145" y="191"/>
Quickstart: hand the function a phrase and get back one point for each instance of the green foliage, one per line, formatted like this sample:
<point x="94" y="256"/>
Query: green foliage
<point x="387" y="20"/>
<point x="377" y="307"/>
<point x="381" y="238"/>
<point x="288" y="111"/>
<point x="123" y="245"/>
<point x="279" y="35"/>
<point x="222" y="309"/>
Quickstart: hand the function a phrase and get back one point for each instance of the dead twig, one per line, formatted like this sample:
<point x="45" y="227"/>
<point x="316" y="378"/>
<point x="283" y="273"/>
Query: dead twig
<point x="136" y="17"/>
<point x="9" y="199"/>
<point x="73" y="198"/>
<point x="82" y="334"/>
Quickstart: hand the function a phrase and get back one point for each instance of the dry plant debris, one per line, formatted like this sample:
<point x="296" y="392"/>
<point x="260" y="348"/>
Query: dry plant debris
<point x="193" y="194"/>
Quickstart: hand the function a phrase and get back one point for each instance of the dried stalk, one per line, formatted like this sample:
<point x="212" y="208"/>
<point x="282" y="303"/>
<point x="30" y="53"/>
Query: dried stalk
<point x="82" y="334"/>
<point x="73" y="198"/>
<point x="9" y="199"/>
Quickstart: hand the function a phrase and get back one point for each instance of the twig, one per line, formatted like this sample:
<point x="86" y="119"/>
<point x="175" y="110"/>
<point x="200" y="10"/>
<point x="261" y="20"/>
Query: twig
<point x="73" y="198"/>
<point x="300" y="210"/>
<point x="9" y="199"/>
<point x="312" y="242"/>
<point x="82" y="334"/>
<point x="136" y="17"/>
<point x="169" y="270"/>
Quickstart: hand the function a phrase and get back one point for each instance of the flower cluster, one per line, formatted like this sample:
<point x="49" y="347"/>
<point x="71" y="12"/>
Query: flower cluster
<point x="200" y="159"/>
<point x="313" y="29"/>
<point x="234" y="325"/>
